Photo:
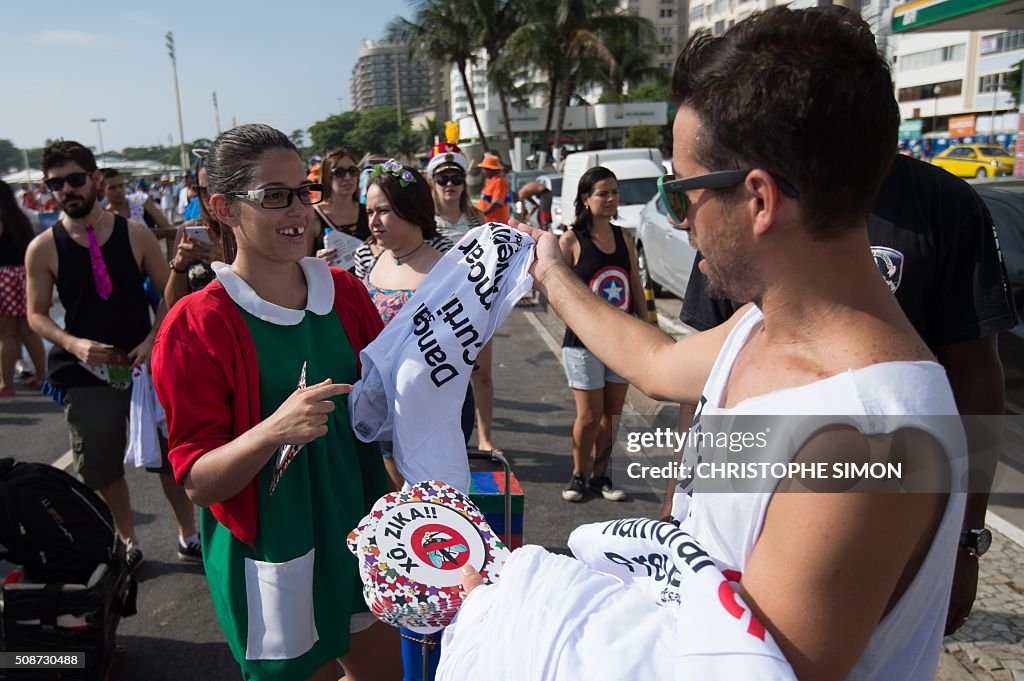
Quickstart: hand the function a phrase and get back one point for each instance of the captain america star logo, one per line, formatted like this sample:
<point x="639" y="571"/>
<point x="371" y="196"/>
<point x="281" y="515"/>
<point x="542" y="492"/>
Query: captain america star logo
<point x="612" y="284"/>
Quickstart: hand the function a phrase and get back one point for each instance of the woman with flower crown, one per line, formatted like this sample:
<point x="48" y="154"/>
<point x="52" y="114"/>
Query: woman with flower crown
<point x="401" y="212"/>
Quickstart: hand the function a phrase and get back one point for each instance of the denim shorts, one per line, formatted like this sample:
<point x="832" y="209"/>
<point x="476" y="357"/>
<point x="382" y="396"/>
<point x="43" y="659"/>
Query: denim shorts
<point x="585" y="371"/>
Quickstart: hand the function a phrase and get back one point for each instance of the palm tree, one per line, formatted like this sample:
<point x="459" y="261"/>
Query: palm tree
<point x="440" y="30"/>
<point x="576" y="30"/>
<point x="532" y="49"/>
<point x="630" y="47"/>
<point x="495" y="22"/>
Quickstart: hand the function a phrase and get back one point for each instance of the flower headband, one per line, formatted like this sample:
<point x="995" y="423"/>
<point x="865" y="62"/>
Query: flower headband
<point x="405" y="177"/>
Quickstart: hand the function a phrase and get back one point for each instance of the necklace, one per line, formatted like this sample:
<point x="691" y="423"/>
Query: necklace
<point x="398" y="258"/>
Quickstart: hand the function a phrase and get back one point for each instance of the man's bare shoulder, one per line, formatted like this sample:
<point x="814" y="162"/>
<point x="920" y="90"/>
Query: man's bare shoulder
<point x="41" y="246"/>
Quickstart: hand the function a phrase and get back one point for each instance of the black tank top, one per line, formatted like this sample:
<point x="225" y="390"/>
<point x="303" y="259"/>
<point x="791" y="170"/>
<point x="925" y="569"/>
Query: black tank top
<point x="122" y="320"/>
<point x="607" y="275"/>
<point x="360" y="229"/>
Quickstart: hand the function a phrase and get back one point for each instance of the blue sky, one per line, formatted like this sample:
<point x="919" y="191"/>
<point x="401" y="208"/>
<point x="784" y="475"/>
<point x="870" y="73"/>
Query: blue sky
<point x="281" y="63"/>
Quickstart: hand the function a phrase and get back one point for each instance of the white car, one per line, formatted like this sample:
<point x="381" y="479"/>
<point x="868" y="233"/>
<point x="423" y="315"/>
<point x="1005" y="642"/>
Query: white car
<point x="663" y="251"/>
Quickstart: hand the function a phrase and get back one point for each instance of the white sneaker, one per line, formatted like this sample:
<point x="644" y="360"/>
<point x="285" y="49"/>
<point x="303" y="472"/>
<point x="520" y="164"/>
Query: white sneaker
<point x="574" y="491"/>
<point x="603" y="484"/>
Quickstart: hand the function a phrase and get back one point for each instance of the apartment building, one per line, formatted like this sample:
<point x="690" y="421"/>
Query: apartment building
<point x="953" y="84"/>
<point x="384" y="75"/>
<point x="669" y="19"/>
<point x="715" y="16"/>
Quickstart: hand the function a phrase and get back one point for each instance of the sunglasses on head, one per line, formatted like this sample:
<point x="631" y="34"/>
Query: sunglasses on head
<point x="342" y="172"/>
<point x="453" y="179"/>
<point x="75" y="180"/>
<point x="673" y="191"/>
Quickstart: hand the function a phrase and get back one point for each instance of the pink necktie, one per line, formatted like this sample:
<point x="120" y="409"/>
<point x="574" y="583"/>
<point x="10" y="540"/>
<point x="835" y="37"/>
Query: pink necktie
<point x="99" y="268"/>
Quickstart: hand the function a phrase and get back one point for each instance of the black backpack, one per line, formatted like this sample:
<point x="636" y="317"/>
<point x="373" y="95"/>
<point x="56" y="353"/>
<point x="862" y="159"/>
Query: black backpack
<point x="54" y="525"/>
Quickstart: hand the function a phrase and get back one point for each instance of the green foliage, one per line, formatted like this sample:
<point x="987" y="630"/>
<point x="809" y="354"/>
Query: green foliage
<point x="643" y="136"/>
<point x="333" y="131"/>
<point x="10" y="156"/>
<point x="648" y="92"/>
<point x="373" y="131"/>
<point x="1013" y="82"/>
<point x="168" y="155"/>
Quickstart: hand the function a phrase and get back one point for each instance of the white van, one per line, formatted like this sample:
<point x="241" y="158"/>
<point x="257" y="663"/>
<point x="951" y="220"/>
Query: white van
<point x="637" y="171"/>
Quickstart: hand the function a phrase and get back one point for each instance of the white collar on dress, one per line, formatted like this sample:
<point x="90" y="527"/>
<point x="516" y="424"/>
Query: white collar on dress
<point x="319" y="297"/>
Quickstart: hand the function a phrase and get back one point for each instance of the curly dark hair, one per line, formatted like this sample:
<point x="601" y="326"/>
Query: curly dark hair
<point x="803" y="94"/>
<point x="68" y="151"/>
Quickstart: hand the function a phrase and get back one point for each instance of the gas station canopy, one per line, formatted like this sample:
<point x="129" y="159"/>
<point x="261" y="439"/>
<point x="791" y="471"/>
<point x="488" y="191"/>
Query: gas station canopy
<point x="958" y="15"/>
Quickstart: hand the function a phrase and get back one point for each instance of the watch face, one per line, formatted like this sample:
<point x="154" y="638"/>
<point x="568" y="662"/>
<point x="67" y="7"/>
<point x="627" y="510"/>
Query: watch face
<point x="984" y="541"/>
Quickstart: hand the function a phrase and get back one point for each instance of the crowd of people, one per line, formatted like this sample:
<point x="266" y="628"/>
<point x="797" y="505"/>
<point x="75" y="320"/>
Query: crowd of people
<point x="270" y="265"/>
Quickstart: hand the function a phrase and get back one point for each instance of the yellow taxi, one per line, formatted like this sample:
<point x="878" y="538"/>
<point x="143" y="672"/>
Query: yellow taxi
<point x="975" y="160"/>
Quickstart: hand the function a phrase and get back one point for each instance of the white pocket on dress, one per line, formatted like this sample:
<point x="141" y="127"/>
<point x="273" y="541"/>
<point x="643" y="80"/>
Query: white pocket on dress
<point x="280" y="604"/>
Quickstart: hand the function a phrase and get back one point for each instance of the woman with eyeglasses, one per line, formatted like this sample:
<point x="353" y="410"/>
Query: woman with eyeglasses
<point x="340" y="209"/>
<point x="259" y="429"/>
<point x="201" y="242"/>
<point x="603" y="257"/>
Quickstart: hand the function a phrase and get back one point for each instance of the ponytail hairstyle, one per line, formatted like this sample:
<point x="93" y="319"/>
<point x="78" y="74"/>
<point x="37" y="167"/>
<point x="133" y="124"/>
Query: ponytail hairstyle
<point x="218" y="231"/>
<point x="583" y="220"/>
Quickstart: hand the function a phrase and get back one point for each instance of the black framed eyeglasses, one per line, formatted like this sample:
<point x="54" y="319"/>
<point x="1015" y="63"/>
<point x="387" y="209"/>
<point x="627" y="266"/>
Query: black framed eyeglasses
<point x="281" y="197"/>
<point x="75" y="180"/>
<point x="673" y="191"/>
<point x="453" y="179"/>
<point x="342" y="172"/>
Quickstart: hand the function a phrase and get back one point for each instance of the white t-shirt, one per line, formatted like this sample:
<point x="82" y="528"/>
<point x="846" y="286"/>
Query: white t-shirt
<point x="415" y="374"/>
<point x="648" y="600"/>
<point x="183" y="200"/>
<point x="876" y="399"/>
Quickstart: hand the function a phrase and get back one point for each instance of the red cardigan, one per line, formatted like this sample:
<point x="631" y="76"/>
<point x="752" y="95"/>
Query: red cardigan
<point x="207" y="379"/>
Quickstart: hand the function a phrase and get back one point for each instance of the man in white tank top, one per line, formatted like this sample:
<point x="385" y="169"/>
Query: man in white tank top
<point x="787" y="126"/>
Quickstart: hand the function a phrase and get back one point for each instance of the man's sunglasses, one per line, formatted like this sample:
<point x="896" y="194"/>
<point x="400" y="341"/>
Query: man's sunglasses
<point x="281" y="197"/>
<point x="673" y="192"/>
<point x="75" y="180"/>
<point x="342" y="172"/>
<point x="453" y="179"/>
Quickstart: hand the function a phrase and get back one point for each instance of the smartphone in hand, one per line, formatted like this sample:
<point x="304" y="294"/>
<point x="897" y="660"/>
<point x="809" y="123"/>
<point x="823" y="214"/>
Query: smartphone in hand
<point x="200" y="234"/>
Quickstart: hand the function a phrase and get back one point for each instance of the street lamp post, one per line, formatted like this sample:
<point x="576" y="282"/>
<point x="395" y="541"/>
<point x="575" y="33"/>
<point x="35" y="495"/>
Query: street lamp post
<point x="936" y="91"/>
<point x="99" y="128"/>
<point x="992" y="129"/>
<point x="177" y="99"/>
<point x="216" y="112"/>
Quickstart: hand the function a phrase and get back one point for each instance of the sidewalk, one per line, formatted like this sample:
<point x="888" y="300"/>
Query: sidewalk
<point x="991" y="644"/>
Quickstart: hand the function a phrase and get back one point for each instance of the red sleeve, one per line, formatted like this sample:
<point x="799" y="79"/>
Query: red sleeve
<point x="356" y="311"/>
<point x="191" y="383"/>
